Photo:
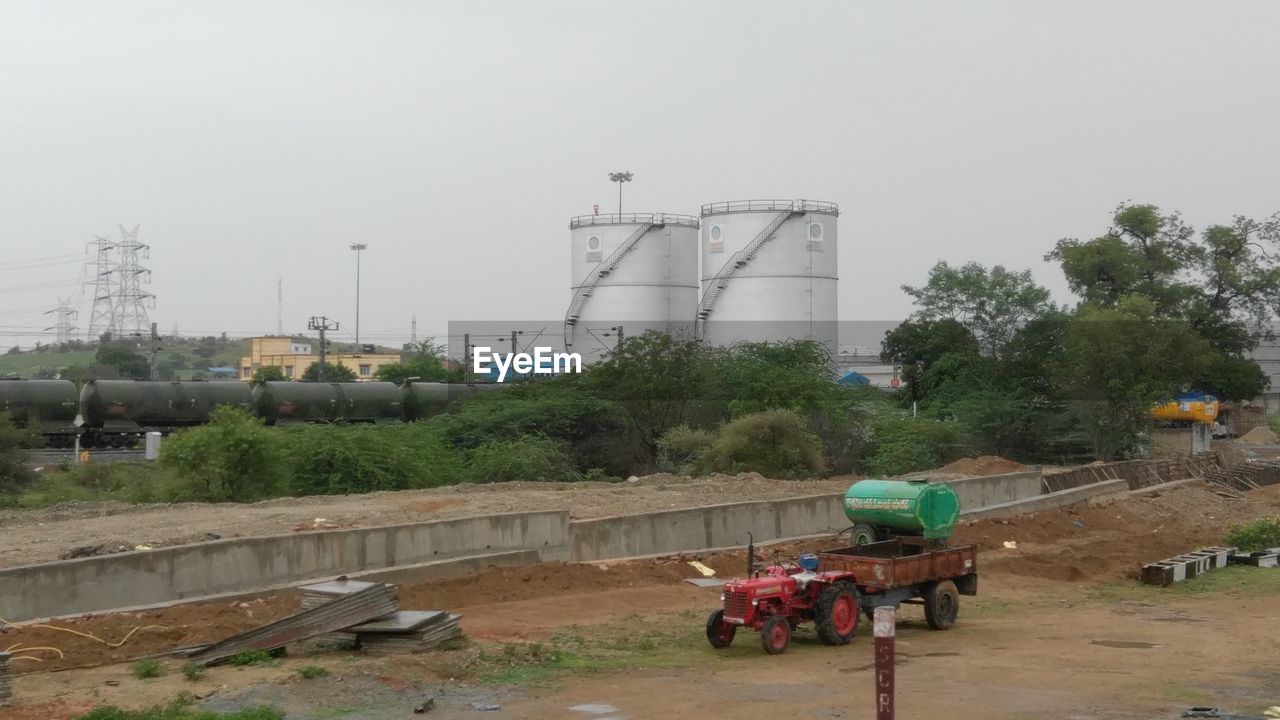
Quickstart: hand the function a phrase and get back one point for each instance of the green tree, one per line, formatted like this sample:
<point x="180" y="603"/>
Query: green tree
<point x="332" y="373"/>
<point x="991" y="304"/>
<point x="774" y="443"/>
<point x="916" y="345"/>
<point x="1119" y="362"/>
<point x="127" y="363"/>
<point x="657" y="380"/>
<point x="14" y="473"/>
<point x="267" y="373"/>
<point x="424" y="361"/>
<point x="233" y="457"/>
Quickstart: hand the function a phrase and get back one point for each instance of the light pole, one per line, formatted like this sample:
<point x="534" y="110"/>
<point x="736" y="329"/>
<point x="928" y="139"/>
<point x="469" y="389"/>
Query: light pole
<point x="620" y="177"/>
<point x="358" y="247"/>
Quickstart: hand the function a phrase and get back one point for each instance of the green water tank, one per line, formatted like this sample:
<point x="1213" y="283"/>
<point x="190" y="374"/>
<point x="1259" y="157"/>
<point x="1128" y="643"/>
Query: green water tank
<point x="908" y="506"/>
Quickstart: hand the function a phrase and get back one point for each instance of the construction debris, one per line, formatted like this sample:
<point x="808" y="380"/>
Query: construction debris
<point x="6" y="681"/>
<point x="314" y="596"/>
<point x="343" y="612"/>
<point x="1185" y="567"/>
<point x="408" y="632"/>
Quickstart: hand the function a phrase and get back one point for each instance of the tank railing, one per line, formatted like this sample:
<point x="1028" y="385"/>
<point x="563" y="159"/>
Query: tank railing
<point x="734" y="206"/>
<point x="604" y="267"/>
<point x="630" y="218"/>
<point x="731" y="267"/>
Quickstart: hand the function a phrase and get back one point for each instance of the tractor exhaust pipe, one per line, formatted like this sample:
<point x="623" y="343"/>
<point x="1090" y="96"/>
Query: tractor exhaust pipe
<point x="751" y="554"/>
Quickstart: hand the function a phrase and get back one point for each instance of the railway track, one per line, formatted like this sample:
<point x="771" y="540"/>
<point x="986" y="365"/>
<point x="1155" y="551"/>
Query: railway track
<point x="37" y="458"/>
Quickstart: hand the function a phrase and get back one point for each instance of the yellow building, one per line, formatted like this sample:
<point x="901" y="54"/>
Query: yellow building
<point x="293" y="358"/>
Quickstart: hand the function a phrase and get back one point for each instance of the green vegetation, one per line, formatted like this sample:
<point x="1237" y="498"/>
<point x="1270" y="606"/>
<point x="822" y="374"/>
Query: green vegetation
<point x="267" y="373"/>
<point x="1253" y="536"/>
<point x="111" y="359"/>
<point x="332" y="373"/>
<point x="424" y="362"/>
<point x="775" y="443"/>
<point x="234" y="457"/>
<point x="182" y="708"/>
<point x="193" y="671"/>
<point x="253" y="657"/>
<point x="311" y="672"/>
<point x="14" y="474"/>
<point x="147" y="668"/>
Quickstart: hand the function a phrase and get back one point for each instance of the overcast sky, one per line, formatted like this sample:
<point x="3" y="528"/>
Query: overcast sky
<point x="257" y="140"/>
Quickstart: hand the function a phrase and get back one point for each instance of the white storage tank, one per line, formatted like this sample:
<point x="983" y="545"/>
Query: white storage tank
<point x="635" y="271"/>
<point x="768" y="272"/>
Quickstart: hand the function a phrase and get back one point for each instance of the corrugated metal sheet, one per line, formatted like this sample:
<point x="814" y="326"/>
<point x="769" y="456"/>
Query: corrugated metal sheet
<point x="353" y="609"/>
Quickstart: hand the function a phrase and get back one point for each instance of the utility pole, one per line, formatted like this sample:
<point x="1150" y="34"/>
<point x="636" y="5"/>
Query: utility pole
<point x="155" y="350"/>
<point x="322" y="324"/>
<point x="466" y="358"/>
<point x="620" y="177"/>
<point x="358" y="247"/>
<point x="279" y="306"/>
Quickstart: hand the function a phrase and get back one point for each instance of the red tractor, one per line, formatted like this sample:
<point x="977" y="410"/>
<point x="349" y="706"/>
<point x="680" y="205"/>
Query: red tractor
<point x="884" y="567"/>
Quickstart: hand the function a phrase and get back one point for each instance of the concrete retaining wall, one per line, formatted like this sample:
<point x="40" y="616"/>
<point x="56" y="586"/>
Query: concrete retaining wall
<point x="253" y="564"/>
<point x="247" y="564"/>
<point x="704" y="527"/>
<point x="996" y="489"/>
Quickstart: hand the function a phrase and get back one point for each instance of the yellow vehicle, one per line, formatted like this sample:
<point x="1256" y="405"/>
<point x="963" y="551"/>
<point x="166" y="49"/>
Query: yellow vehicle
<point x="1188" y="408"/>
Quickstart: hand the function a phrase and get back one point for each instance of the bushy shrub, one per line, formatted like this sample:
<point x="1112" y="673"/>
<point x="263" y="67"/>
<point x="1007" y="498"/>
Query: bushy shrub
<point x="774" y="443"/>
<point x="906" y="444"/>
<point x="329" y="460"/>
<point x="679" y="448"/>
<point x="531" y="457"/>
<point x="14" y="473"/>
<point x="233" y="457"/>
<point x="1256" y="535"/>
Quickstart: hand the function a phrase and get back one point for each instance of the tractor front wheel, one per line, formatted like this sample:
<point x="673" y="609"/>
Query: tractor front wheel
<point x="775" y="634"/>
<point x="719" y="633"/>
<point x="941" y="605"/>
<point x="836" y="614"/>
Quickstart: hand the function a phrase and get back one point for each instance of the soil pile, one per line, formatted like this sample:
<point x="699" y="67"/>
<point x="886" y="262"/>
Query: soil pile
<point x="984" y="465"/>
<point x="1260" y="435"/>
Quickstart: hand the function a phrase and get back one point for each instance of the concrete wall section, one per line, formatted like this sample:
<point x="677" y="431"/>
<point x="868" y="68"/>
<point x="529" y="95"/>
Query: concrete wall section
<point x="706" y="527"/>
<point x="246" y="564"/>
<point x="989" y="490"/>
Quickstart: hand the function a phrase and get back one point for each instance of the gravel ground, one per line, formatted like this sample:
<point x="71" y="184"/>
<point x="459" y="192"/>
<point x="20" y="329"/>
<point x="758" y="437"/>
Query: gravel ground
<point x="33" y="536"/>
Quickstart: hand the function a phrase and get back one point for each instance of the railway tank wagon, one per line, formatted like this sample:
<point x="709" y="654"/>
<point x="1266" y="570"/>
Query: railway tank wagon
<point x="285" y="403"/>
<point x="428" y="399"/>
<point x="51" y="405"/>
<point x="119" y="408"/>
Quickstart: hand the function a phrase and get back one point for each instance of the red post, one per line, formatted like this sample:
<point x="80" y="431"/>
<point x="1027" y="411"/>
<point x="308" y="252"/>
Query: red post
<point x="884" y="625"/>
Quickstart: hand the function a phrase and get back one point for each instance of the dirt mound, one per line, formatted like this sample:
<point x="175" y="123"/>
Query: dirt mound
<point x="984" y="465"/>
<point x="1260" y="435"/>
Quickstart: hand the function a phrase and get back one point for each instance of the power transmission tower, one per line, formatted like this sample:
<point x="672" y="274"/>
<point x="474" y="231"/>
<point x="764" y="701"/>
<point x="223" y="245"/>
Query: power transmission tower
<point x="102" y="318"/>
<point x="322" y="324"/>
<point x="131" y="300"/>
<point x="66" y="321"/>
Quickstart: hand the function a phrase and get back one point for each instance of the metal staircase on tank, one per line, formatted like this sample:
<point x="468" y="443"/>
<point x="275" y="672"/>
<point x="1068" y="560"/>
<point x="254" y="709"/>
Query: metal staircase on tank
<point x="736" y="262"/>
<point x="598" y="273"/>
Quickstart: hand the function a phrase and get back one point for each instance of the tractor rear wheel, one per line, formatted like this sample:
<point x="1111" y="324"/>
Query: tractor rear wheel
<point x="775" y="634"/>
<point x="719" y="633"/>
<point x="835" y="615"/>
<point x="941" y="605"/>
<point x="862" y="534"/>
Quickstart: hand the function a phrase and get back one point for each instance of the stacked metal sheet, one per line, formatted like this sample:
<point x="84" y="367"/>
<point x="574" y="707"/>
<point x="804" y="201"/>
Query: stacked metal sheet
<point x="314" y="596"/>
<point x="6" y="681"/>
<point x="407" y="631"/>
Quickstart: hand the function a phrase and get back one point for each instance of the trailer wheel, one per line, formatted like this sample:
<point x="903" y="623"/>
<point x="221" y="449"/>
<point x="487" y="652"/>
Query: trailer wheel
<point x="941" y="605"/>
<point x="719" y="633"/>
<point x="835" y="615"/>
<point x="775" y="634"/>
<point x="862" y="534"/>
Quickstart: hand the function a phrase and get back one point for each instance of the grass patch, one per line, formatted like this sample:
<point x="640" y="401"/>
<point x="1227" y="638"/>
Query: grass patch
<point x="179" y="710"/>
<point x="311" y="672"/>
<point x="147" y="668"/>
<point x="1235" y="580"/>
<point x="1253" y="536"/>
<point x="193" y="671"/>
<point x="125" y="482"/>
<point x="257" y="658"/>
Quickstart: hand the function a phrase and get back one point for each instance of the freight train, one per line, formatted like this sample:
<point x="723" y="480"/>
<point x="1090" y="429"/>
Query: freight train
<point x="117" y="413"/>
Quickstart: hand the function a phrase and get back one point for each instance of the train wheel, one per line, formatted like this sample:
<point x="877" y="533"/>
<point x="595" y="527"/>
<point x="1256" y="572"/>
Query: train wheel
<point x="719" y="633"/>
<point x="941" y="605"/>
<point x="775" y="635"/>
